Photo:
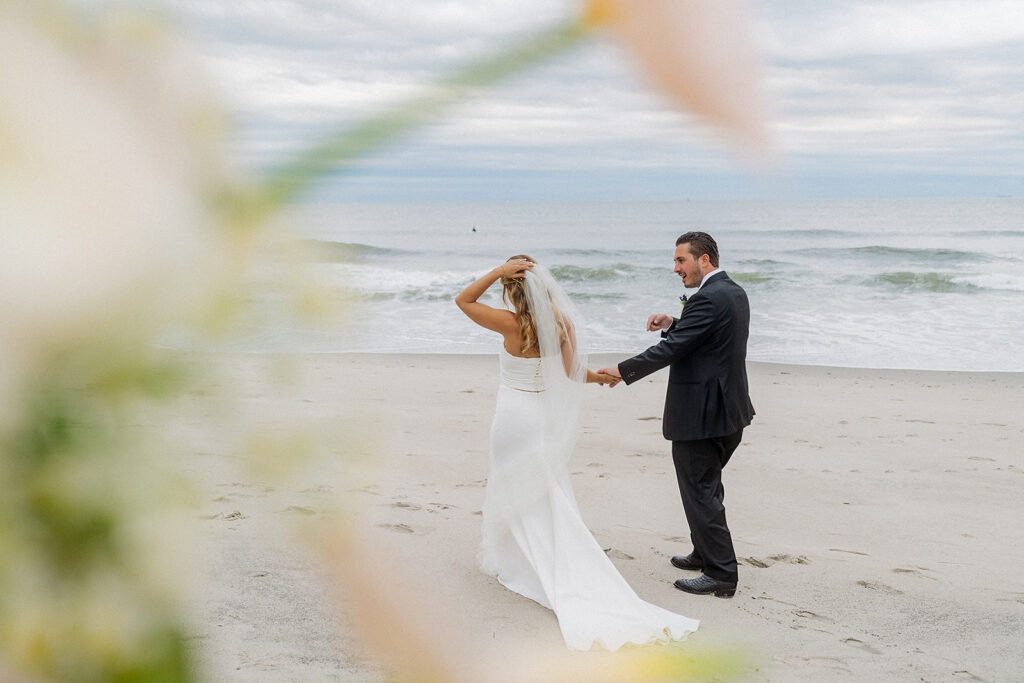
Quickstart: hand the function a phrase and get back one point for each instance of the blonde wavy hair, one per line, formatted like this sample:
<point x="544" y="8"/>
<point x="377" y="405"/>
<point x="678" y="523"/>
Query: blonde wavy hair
<point x="514" y="293"/>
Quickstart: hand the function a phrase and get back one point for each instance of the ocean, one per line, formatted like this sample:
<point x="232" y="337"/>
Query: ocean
<point x="917" y="283"/>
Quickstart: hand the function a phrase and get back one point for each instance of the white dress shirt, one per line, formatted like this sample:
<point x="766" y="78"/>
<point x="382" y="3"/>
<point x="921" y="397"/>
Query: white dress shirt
<point x="705" y="278"/>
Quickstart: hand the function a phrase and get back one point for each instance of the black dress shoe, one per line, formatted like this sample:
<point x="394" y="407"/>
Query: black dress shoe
<point x="686" y="562"/>
<point x="705" y="585"/>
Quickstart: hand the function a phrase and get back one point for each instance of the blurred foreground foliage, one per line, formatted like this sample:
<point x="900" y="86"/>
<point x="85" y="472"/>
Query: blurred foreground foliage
<point x="86" y="521"/>
<point x="123" y="224"/>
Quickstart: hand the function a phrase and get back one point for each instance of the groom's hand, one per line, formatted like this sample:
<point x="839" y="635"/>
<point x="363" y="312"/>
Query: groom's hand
<point x="613" y="373"/>
<point x="659" y="321"/>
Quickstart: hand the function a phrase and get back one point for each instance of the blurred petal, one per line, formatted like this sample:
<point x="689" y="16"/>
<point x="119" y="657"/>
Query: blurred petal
<point x="698" y="52"/>
<point x="409" y="640"/>
<point x="103" y="176"/>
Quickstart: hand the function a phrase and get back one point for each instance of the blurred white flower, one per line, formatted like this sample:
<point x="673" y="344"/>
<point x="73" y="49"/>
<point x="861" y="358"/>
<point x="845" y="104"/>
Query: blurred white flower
<point x="110" y="174"/>
<point x="108" y="157"/>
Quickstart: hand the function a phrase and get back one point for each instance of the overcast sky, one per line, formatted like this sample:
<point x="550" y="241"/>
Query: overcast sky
<point x="870" y="98"/>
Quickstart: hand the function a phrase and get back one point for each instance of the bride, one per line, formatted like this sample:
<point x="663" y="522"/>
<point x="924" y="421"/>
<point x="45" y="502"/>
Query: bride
<point x="534" y="539"/>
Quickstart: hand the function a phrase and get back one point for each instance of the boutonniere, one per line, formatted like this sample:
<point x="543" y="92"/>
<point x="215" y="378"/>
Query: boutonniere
<point x="682" y="303"/>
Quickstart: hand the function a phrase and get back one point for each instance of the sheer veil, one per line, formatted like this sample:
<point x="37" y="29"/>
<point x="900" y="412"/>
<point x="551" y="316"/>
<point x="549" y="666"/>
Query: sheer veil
<point x="563" y="362"/>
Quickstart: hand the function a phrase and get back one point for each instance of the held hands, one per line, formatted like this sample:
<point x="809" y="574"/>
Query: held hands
<point x="659" y="321"/>
<point x="515" y="269"/>
<point x="609" y="376"/>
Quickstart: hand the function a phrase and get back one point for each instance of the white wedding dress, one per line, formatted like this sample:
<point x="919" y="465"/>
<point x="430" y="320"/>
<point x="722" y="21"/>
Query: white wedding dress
<point x="534" y="540"/>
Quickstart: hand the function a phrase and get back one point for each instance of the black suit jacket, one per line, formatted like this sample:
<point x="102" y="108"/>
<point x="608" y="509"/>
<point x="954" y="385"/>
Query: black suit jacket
<point x="706" y="349"/>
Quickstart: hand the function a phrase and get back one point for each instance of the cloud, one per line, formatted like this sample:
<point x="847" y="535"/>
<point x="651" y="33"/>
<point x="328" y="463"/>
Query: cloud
<point x="830" y="31"/>
<point x="924" y="87"/>
<point x="921" y="86"/>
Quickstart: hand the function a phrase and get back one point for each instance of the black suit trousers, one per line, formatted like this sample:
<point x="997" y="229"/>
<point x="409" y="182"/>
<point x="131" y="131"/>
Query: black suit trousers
<point x="699" y="466"/>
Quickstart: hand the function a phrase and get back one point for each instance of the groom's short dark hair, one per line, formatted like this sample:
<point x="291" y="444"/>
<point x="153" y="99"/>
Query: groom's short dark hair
<point x="700" y="243"/>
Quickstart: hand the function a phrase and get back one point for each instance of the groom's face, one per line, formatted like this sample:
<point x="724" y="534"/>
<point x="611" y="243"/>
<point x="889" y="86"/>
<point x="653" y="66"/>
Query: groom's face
<point x="688" y="267"/>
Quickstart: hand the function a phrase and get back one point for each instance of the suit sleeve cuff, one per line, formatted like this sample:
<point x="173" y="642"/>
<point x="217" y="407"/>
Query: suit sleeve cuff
<point x="629" y="375"/>
<point x="664" y="332"/>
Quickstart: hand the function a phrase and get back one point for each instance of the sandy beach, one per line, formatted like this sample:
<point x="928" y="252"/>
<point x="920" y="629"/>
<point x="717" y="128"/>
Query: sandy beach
<point x="877" y="515"/>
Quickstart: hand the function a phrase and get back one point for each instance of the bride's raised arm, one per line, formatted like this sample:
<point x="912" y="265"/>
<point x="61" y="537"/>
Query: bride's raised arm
<point x="497" y="319"/>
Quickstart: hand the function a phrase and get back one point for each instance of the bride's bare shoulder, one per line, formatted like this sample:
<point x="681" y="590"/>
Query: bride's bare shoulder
<point x="499" y="320"/>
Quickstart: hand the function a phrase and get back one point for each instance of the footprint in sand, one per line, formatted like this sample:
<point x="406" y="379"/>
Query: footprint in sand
<point x="227" y="516"/>
<point x="860" y="644"/>
<point x="297" y="509"/>
<point x="399" y="528"/>
<point x="914" y="572"/>
<point x="618" y="554"/>
<point x="808" y="614"/>
<point x="880" y="587"/>
<point x="773" y="559"/>
<point x="405" y="506"/>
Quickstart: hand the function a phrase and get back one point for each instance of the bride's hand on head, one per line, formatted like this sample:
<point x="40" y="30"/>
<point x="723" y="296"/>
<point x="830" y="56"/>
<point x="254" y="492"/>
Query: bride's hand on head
<point x="516" y="268"/>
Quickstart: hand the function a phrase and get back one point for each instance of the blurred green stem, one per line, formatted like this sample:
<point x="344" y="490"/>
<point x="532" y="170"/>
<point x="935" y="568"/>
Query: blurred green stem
<point x="344" y="147"/>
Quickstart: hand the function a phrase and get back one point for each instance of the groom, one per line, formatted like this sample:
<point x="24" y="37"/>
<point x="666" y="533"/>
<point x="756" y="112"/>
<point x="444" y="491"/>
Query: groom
<point x="707" y="404"/>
